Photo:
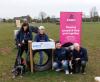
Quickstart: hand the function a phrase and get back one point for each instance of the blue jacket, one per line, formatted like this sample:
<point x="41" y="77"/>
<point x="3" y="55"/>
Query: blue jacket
<point x="82" y="54"/>
<point x="60" y="54"/>
<point x="41" y="38"/>
<point x="23" y="36"/>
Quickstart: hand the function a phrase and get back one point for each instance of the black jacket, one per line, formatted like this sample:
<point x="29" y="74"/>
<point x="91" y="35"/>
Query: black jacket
<point x="60" y="54"/>
<point x="23" y="36"/>
<point x="82" y="54"/>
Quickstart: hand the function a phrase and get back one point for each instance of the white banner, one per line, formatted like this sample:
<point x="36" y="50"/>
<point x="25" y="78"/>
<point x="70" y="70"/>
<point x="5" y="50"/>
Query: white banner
<point x="43" y="45"/>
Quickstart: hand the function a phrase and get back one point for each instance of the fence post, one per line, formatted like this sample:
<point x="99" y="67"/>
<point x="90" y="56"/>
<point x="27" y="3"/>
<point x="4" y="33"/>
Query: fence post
<point x="31" y="55"/>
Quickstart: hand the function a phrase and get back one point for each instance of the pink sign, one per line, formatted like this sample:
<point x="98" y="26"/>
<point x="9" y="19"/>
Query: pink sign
<point x="70" y="27"/>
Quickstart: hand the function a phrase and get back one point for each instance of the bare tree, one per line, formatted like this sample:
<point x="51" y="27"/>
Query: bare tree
<point x="42" y="16"/>
<point x="94" y="14"/>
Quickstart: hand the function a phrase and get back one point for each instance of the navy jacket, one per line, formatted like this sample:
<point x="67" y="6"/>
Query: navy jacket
<point x="23" y="36"/>
<point x="60" y="54"/>
<point x="82" y="54"/>
<point x="41" y="38"/>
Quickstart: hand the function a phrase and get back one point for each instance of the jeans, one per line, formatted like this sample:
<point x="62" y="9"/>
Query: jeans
<point x="83" y="66"/>
<point x="41" y="57"/>
<point x="59" y="64"/>
<point x="19" y="55"/>
<point x="79" y="66"/>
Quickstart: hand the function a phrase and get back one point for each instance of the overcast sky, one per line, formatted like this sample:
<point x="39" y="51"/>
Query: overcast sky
<point x="15" y="8"/>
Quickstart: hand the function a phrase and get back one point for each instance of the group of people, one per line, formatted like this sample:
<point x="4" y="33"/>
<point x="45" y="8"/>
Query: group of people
<point x="71" y="59"/>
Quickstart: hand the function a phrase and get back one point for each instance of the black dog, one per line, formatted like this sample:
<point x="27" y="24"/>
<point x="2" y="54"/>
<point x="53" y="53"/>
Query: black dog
<point x="19" y="69"/>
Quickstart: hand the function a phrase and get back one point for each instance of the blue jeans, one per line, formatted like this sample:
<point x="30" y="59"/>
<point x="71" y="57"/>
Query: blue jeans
<point x="41" y="57"/>
<point x="59" y="64"/>
<point x="80" y="66"/>
<point x="19" y="55"/>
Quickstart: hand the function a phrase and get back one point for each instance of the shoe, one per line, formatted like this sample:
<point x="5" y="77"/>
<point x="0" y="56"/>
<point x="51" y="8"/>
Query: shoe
<point x="71" y="73"/>
<point x="66" y="72"/>
<point x="58" y="70"/>
<point x="13" y="76"/>
<point x="21" y="76"/>
<point x="84" y="73"/>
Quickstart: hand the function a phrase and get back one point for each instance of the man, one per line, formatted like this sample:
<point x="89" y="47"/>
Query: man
<point x="80" y="58"/>
<point x="60" y="58"/>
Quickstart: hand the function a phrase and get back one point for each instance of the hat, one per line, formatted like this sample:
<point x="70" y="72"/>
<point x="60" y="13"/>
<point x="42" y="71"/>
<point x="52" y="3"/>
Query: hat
<point x="41" y="27"/>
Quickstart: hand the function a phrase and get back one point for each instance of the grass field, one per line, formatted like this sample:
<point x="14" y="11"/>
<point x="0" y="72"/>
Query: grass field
<point x="90" y="40"/>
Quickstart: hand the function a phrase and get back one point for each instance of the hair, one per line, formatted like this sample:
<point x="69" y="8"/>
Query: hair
<point x="22" y="27"/>
<point x="57" y="42"/>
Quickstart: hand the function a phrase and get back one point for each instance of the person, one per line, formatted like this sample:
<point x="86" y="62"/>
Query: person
<point x="41" y="37"/>
<point x="60" y="58"/>
<point x="80" y="58"/>
<point x="24" y="35"/>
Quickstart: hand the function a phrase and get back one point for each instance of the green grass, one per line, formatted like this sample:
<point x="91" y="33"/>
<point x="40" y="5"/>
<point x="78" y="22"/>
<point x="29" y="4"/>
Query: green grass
<point x="90" y="40"/>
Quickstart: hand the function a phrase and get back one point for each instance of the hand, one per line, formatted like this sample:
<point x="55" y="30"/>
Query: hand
<point x="77" y="59"/>
<point x="19" y="45"/>
<point x="23" y="41"/>
<point x="29" y="41"/>
<point x="62" y="61"/>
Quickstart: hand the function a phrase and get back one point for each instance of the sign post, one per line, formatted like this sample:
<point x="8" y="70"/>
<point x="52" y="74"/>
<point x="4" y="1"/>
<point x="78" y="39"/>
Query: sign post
<point x="31" y="56"/>
<point x="70" y="27"/>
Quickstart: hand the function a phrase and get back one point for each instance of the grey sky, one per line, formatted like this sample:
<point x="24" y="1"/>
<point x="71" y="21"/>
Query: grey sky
<point x="12" y="8"/>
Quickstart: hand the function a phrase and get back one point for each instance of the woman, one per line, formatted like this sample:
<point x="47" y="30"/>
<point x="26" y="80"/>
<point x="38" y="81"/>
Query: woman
<point x="24" y="35"/>
<point x="41" y="37"/>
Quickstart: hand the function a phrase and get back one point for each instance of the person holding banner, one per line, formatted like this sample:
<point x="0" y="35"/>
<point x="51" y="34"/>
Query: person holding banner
<point x="60" y="59"/>
<point x="24" y="35"/>
<point x="80" y="58"/>
<point x="41" y="37"/>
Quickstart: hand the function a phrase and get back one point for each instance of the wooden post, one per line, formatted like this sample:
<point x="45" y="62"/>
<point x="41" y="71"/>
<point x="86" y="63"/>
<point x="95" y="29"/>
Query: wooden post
<point x="31" y="56"/>
<point x="52" y="57"/>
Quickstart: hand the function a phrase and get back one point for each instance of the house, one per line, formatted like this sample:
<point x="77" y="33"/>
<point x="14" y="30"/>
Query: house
<point x="23" y="17"/>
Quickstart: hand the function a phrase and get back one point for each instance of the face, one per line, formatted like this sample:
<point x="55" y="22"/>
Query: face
<point x="42" y="31"/>
<point x="58" y="45"/>
<point x="77" y="48"/>
<point x="25" y="28"/>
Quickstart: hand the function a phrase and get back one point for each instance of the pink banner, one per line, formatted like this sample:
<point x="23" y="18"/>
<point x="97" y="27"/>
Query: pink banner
<point x="70" y="27"/>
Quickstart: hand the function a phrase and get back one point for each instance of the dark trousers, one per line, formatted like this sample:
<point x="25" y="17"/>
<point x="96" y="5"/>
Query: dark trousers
<point x="19" y="54"/>
<point x="79" y="66"/>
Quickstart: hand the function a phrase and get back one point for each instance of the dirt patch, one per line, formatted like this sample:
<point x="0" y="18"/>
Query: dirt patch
<point x="5" y="50"/>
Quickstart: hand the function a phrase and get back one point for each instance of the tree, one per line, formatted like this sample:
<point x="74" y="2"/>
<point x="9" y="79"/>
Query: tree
<point x="48" y="19"/>
<point x="42" y="16"/>
<point x="94" y="14"/>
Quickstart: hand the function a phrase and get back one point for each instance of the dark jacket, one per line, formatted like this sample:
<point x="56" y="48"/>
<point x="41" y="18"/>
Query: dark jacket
<point x="41" y="38"/>
<point x="60" y="54"/>
<point x="23" y="36"/>
<point x="82" y="54"/>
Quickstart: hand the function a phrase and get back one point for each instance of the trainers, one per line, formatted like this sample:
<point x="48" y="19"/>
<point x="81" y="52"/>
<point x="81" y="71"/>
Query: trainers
<point x="71" y="73"/>
<point x="58" y="70"/>
<point x="84" y="73"/>
<point x="13" y="76"/>
<point x="66" y="72"/>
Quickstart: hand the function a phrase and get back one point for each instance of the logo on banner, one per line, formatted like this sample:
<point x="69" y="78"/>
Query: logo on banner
<point x="43" y="45"/>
